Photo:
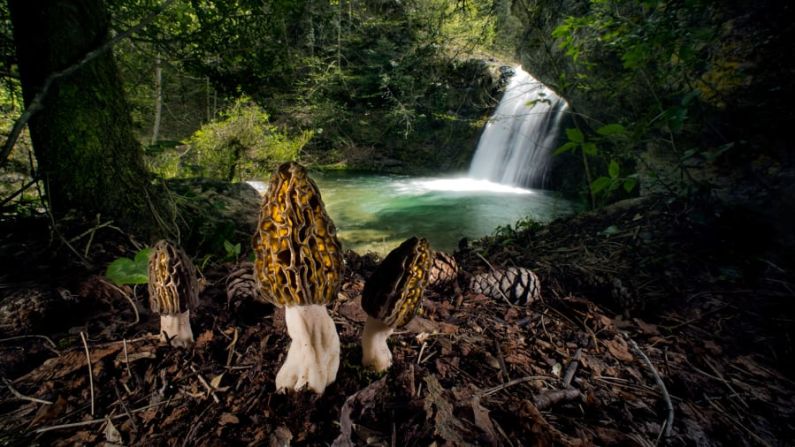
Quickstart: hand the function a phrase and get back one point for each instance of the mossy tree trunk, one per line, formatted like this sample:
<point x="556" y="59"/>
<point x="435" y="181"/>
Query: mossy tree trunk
<point x="82" y="137"/>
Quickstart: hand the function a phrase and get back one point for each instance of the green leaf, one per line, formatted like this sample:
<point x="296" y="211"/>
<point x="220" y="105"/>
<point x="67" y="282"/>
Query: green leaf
<point x="232" y="251"/>
<point x="128" y="271"/>
<point x="575" y="135"/>
<point x="600" y="184"/>
<point x="613" y="169"/>
<point x="610" y="130"/>
<point x="629" y="184"/>
<point x="142" y="257"/>
<point x="589" y="149"/>
<point x="565" y="148"/>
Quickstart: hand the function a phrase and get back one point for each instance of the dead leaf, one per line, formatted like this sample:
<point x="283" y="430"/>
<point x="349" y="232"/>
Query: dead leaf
<point x="228" y="418"/>
<point x="49" y="412"/>
<point x="619" y="349"/>
<point x="205" y="338"/>
<point x="483" y="420"/>
<point x="447" y="426"/>
<point x="112" y="435"/>
<point x="365" y="397"/>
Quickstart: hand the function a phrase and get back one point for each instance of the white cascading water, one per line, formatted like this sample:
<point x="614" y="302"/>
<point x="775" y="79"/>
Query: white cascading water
<point x="516" y="145"/>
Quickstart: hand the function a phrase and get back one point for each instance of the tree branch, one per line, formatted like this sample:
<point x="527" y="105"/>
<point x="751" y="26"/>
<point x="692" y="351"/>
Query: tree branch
<point x="37" y="103"/>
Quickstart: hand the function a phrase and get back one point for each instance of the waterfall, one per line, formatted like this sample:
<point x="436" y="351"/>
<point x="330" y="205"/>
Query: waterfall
<point x="516" y="145"/>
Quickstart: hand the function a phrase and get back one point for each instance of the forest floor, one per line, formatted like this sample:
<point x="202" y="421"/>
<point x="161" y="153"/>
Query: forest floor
<point x="646" y="318"/>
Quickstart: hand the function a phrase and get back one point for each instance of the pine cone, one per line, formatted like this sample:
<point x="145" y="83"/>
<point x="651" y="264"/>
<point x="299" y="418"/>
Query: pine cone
<point x="444" y="271"/>
<point x="518" y="285"/>
<point x="240" y="283"/>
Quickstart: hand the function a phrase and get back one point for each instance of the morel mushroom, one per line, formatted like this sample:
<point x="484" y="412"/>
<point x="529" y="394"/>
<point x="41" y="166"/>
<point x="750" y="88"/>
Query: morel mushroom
<point x="299" y="266"/>
<point x="391" y="298"/>
<point x="173" y="292"/>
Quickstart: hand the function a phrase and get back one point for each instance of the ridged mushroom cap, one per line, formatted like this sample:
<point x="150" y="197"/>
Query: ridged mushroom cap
<point x="298" y="256"/>
<point x="393" y="292"/>
<point x="173" y="285"/>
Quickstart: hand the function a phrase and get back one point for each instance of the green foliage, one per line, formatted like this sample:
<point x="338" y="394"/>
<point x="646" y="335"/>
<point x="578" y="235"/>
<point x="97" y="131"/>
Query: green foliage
<point x="232" y="250"/>
<point x="130" y="271"/>
<point x="242" y="144"/>
<point x="658" y="66"/>
<point x="609" y="135"/>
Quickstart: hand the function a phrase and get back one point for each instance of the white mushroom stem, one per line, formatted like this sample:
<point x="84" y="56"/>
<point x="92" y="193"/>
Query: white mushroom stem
<point x="375" y="352"/>
<point x="314" y="355"/>
<point x="176" y="329"/>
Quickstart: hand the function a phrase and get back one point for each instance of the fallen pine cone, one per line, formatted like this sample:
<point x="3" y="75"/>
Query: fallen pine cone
<point x="444" y="271"/>
<point x="518" y="285"/>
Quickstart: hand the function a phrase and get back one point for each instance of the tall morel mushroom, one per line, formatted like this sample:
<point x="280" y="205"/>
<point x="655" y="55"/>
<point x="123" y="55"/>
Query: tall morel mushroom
<point x="173" y="292"/>
<point x="299" y="266"/>
<point x="391" y="297"/>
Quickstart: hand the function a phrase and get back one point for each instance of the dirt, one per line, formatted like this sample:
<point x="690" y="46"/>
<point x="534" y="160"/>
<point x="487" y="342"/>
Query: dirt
<point x="652" y="301"/>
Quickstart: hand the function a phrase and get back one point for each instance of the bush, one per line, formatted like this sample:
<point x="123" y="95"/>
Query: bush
<point x="242" y="145"/>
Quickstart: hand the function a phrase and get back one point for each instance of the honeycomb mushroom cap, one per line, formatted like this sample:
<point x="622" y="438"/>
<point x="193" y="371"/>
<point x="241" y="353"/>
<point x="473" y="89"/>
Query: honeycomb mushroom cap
<point x="298" y="256"/>
<point x="173" y="284"/>
<point x="393" y="293"/>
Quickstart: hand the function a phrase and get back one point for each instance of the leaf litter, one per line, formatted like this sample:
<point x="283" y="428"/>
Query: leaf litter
<point x="472" y="370"/>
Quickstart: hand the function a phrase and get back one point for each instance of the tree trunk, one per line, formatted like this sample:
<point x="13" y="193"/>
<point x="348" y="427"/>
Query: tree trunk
<point x="83" y="137"/>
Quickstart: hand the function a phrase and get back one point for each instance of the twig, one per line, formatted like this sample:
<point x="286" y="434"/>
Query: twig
<point x="231" y="349"/>
<point x="485" y="260"/>
<point x="550" y="397"/>
<point x="128" y="298"/>
<point x="127" y="359"/>
<point x="210" y="390"/>
<point x="43" y="337"/>
<point x="38" y="101"/>
<point x="19" y="395"/>
<point x="124" y="406"/>
<point x="738" y="423"/>
<point x="19" y="191"/>
<point x="422" y="349"/>
<point x="97" y="421"/>
<point x="90" y="373"/>
<point x="513" y="382"/>
<point x="725" y="382"/>
<point x="669" y="422"/>
<point x="501" y="360"/>
<point x="572" y="369"/>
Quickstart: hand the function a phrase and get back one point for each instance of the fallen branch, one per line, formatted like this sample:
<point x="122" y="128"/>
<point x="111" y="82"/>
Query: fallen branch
<point x="669" y="422"/>
<point x="572" y="369"/>
<point x="550" y="397"/>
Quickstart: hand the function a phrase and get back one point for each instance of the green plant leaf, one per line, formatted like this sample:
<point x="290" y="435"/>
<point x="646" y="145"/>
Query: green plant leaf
<point x="232" y="250"/>
<point x="589" y="149"/>
<point x="128" y="271"/>
<point x="142" y="257"/>
<point x="629" y="184"/>
<point x="613" y="169"/>
<point x="575" y="135"/>
<point x="565" y="148"/>
<point x="611" y="129"/>
<point x="599" y="184"/>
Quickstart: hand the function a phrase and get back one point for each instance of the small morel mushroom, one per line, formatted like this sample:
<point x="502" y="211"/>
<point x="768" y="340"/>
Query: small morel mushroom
<point x="391" y="298"/>
<point x="173" y="292"/>
<point x="299" y="266"/>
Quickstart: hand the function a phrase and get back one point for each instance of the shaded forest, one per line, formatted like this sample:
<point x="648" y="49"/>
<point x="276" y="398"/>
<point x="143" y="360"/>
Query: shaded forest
<point x="150" y="294"/>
